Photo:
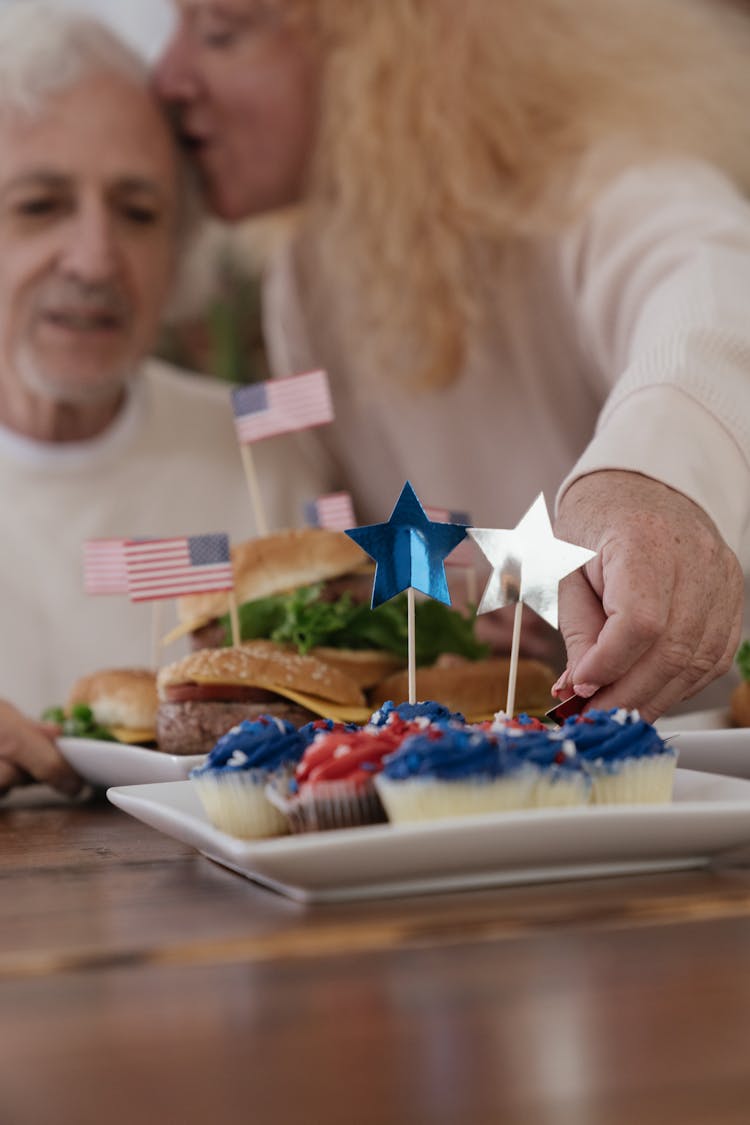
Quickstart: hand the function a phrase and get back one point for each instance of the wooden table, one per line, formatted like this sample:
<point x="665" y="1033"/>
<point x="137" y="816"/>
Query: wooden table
<point x="141" y="983"/>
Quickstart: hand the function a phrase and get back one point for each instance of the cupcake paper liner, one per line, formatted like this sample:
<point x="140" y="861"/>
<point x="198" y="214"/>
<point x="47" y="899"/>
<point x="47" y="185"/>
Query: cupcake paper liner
<point x="430" y="799"/>
<point x="558" y="788"/>
<point x="327" y="805"/>
<point x="236" y="803"/>
<point x="641" y="781"/>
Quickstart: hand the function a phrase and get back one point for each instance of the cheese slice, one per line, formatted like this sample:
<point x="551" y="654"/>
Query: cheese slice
<point x="182" y="630"/>
<point x="339" y="712"/>
<point x="133" y="735"/>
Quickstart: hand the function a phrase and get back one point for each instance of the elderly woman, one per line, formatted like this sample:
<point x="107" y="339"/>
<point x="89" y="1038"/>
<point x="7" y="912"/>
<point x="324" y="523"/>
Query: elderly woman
<point x="523" y="256"/>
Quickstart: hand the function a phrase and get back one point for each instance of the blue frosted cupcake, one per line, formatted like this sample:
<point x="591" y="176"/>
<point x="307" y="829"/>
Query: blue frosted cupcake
<point x="453" y="771"/>
<point x="231" y="782"/>
<point x="623" y="754"/>
<point x="422" y="713"/>
<point x="561" y="778"/>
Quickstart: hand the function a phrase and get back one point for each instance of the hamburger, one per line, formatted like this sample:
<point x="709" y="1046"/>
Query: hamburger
<point x="202" y="696"/>
<point x="310" y="589"/>
<point x="116" y="703"/>
<point x="477" y="689"/>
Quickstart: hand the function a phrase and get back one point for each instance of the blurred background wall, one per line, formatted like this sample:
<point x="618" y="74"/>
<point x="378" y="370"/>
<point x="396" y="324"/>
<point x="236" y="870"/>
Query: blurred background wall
<point x="145" y="23"/>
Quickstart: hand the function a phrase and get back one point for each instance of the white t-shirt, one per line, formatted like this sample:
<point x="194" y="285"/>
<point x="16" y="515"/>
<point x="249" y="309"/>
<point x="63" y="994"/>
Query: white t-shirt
<point x="624" y="343"/>
<point x="168" y="465"/>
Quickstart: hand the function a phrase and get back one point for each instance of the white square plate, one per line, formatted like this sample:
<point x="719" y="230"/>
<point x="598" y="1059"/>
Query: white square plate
<point x="115" y="763"/>
<point x="709" y="815"/>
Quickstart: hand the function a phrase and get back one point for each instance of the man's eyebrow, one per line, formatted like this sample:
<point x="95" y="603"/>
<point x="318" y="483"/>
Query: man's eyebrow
<point x="37" y="178"/>
<point x="41" y="178"/>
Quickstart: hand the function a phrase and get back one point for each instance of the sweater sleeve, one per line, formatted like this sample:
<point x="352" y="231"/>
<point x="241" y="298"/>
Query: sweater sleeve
<point x="659" y="278"/>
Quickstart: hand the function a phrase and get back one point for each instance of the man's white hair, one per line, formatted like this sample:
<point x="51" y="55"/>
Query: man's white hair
<point x="45" y="49"/>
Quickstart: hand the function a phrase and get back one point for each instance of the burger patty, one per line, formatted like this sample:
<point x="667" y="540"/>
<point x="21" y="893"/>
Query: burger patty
<point x="213" y="635"/>
<point x="193" y="727"/>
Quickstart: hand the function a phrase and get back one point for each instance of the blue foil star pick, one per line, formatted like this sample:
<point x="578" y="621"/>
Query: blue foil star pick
<point x="527" y="563"/>
<point x="409" y="550"/>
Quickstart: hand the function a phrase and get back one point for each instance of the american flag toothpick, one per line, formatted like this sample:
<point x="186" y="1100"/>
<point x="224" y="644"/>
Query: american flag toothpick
<point x="277" y="406"/>
<point x="334" y="511"/>
<point x="170" y="568"/>
<point x="104" y="570"/>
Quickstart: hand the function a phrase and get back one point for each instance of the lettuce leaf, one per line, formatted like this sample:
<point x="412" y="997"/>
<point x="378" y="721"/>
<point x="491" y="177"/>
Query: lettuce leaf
<point x="80" y="723"/>
<point x="303" y="620"/>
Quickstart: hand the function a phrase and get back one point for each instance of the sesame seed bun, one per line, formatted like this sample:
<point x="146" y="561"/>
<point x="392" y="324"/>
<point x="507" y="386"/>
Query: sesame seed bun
<point x="266" y="665"/>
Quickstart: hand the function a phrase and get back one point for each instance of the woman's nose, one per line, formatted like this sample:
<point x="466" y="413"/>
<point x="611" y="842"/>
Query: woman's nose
<point x="173" y="77"/>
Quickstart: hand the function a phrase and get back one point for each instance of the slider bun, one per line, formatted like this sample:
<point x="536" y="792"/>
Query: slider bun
<point x="475" y="688"/>
<point x="265" y="665"/>
<point x="365" y="666"/>
<point x="274" y="564"/>
<point x="739" y="705"/>
<point x="119" y="697"/>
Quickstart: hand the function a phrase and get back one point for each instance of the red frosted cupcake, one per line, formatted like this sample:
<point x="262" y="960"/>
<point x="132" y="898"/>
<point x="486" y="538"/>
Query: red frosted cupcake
<point x="333" y="783"/>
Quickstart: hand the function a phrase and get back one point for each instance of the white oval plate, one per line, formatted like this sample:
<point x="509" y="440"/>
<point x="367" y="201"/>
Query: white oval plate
<point x="115" y="763"/>
<point x="705" y="741"/>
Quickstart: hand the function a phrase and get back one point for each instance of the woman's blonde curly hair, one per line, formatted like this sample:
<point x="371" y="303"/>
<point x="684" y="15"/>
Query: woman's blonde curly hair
<point x="452" y="128"/>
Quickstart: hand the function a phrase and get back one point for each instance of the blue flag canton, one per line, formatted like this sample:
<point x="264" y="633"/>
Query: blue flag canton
<point x="311" y="513"/>
<point x="250" y="399"/>
<point x="207" y="550"/>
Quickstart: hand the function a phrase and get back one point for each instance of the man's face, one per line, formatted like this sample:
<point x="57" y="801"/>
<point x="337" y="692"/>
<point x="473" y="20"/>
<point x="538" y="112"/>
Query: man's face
<point x="243" y="82"/>
<point x="88" y="218"/>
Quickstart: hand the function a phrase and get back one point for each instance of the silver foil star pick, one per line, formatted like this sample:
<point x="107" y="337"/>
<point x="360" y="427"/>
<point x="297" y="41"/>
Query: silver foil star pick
<point x="527" y="563"/>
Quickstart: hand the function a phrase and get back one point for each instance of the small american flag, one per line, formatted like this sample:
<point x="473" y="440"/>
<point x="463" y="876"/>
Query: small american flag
<point x="334" y="511"/>
<point x="278" y="406"/>
<point x="168" y="568"/>
<point x="463" y="555"/>
<point x="104" y="570"/>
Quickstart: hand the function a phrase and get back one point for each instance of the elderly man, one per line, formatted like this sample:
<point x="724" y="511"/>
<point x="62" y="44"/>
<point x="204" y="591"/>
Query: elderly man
<point x="94" y="441"/>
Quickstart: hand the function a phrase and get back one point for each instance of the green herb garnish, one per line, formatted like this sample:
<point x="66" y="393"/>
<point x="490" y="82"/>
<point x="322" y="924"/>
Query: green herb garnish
<point x="743" y="660"/>
<point x="80" y="723"/>
<point x="303" y="620"/>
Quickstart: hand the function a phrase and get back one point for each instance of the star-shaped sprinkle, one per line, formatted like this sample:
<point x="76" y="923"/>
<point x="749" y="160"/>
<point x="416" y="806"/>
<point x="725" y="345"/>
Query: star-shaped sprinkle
<point x="527" y="563"/>
<point x="408" y="550"/>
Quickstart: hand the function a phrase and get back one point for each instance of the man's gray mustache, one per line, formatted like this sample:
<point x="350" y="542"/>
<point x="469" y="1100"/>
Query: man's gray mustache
<point x="97" y="300"/>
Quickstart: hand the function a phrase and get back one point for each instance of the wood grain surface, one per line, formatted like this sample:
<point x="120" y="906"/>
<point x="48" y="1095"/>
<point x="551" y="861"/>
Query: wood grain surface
<point x="141" y="983"/>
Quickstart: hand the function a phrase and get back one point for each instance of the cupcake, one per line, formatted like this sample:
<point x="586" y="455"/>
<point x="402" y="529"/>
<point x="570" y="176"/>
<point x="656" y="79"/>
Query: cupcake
<point x="560" y="776"/>
<point x="453" y="771"/>
<point x="333" y="783"/>
<point x="231" y="782"/>
<point x="623" y="754"/>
